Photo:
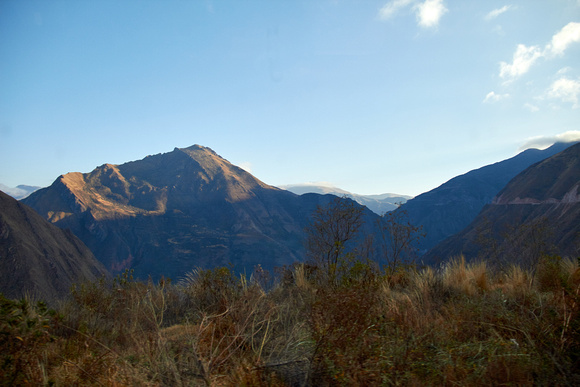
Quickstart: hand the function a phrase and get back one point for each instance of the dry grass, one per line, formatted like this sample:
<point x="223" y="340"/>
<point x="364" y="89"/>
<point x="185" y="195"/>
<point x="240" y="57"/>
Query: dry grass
<point x="462" y="325"/>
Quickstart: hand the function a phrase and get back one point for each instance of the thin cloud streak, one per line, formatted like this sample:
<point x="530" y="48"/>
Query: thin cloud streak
<point x="492" y="97"/>
<point x="393" y="7"/>
<point x="496" y="12"/>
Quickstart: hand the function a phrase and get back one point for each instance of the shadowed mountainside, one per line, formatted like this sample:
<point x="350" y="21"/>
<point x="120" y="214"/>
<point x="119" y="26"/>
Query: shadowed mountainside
<point x="378" y="204"/>
<point x="450" y="207"/>
<point x="538" y="210"/>
<point x="37" y="258"/>
<point x="168" y="213"/>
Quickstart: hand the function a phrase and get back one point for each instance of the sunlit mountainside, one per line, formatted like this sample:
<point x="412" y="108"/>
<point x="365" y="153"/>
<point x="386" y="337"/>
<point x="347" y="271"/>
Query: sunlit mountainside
<point x="169" y="213"/>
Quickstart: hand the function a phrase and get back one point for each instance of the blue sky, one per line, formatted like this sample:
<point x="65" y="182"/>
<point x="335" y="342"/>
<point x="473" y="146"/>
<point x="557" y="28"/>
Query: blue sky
<point x="370" y="96"/>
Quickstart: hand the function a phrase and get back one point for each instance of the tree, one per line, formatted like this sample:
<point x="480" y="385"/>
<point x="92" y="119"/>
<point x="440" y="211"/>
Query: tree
<point x="400" y="240"/>
<point x="332" y="227"/>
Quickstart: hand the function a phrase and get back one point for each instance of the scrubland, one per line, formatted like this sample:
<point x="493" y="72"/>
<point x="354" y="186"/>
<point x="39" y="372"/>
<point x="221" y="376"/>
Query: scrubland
<point x="461" y="324"/>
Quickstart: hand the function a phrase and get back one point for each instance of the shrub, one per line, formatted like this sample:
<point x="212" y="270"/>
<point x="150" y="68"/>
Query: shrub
<point x="464" y="324"/>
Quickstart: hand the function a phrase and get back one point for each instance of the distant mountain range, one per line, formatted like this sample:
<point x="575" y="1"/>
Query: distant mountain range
<point x="379" y="204"/>
<point x="20" y="192"/>
<point x="450" y="207"/>
<point x="537" y="212"/>
<point x="171" y="212"/>
<point x="38" y="259"/>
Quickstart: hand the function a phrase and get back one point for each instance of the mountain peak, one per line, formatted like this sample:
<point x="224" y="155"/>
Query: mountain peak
<point x="170" y="212"/>
<point x="185" y="177"/>
<point x="197" y="147"/>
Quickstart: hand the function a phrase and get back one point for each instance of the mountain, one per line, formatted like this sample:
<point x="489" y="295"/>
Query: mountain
<point x="379" y="204"/>
<point x="38" y="258"/>
<point x="20" y="192"/>
<point x="450" y="207"/>
<point x="539" y="211"/>
<point x="171" y="212"/>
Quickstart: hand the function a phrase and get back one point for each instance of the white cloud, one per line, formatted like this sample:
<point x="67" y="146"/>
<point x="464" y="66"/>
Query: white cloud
<point x="392" y="7"/>
<point x="246" y="166"/>
<point x="492" y="97"/>
<point x="564" y="38"/>
<point x="496" y="12"/>
<point x="543" y="142"/>
<point x="532" y="108"/>
<point x="567" y="90"/>
<point x="430" y="12"/>
<point x="525" y="56"/>
<point x="325" y="184"/>
<point x="523" y="59"/>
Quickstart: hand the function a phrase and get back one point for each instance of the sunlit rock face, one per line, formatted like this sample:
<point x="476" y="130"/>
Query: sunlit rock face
<point x="169" y="213"/>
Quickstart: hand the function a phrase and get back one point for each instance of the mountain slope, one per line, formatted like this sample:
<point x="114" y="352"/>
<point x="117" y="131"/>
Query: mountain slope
<point x="539" y="208"/>
<point x="379" y="204"/>
<point x="450" y="207"/>
<point x="168" y="213"/>
<point x="38" y="258"/>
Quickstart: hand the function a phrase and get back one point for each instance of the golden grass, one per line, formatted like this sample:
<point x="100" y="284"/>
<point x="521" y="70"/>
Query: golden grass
<point x="462" y="325"/>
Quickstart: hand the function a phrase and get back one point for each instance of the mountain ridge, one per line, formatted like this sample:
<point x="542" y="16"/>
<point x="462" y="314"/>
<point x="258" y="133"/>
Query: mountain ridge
<point x="379" y="204"/>
<point x="38" y="259"/>
<point x="168" y="213"/>
<point x="543" y="199"/>
<point x="450" y="207"/>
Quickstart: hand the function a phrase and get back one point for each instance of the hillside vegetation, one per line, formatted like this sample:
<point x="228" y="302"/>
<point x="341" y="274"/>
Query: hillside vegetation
<point x="462" y="325"/>
<point x="359" y="312"/>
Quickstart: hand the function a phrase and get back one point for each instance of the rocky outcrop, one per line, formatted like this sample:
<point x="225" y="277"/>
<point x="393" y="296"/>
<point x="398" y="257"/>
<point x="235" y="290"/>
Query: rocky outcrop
<point x="569" y="197"/>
